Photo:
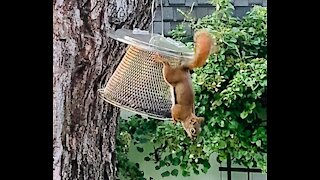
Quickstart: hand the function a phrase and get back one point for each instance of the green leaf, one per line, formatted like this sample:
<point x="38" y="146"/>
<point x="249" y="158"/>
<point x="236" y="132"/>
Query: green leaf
<point x="162" y="163"/>
<point x="234" y="40"/>
<point x="222" y="144"/>
<point x="234" y="29"/>
<point x="221" y="123"/>
<point x="179" y="154"/>
<point x="252" y="106"/>
<point x="244" y="114"/>
<point x="185" y="173"/>
<point x="233" y="124"/>
<point x="209" y="70"/>
<point x="195" y="171"/>
<point x="174" y="172"/>
<point x="183" y="165"/>
<point x="176" y="161"/>
<point x="202" y="109"/>
<point x="262" y="113"/>
<point x="204" y="170"/>
<point x="206" y="164"/>
<point x="222" y="57"/>
<point x="221" y="158"/>
<point x="140" y="149"/>
<point x="147" y="158"/>
<point x="165" y="174"/>
<point x="170" y="157"/>
<point x="143" y="140"/>
<point x="139" y="131"/>
<point x="251" y="29"/>
<point x="250" y="164"/>
<point x="258" y="143"/>
<point x="200" y="82"/>
<point x="157" y="167"/>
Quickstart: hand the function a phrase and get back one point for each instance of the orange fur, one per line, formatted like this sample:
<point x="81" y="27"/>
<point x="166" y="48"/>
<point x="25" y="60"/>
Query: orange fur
<point x="204" y="45"/>
<point x="179" y="79"/>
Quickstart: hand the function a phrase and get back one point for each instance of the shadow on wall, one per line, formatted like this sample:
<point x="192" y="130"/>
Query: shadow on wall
<point x="213" y="173"/>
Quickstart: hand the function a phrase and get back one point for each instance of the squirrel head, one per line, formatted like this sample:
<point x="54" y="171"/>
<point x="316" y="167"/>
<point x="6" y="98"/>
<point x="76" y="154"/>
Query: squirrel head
<point x="192" y="126"/>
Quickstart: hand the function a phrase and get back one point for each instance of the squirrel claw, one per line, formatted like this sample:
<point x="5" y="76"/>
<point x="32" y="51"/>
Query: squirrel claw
<point x="156" y="56"/>
<point x="174" y="122"/>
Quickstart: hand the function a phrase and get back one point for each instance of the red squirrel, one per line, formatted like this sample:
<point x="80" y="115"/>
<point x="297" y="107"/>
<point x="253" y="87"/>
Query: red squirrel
<point x="179" y="80"/>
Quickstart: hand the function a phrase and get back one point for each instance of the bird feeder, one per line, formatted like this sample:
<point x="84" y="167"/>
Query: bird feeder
<point x="138" y="85"/>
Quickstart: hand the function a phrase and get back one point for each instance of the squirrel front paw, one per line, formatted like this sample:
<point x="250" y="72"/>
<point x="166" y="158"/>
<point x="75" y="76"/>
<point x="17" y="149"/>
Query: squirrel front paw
<point x="174" y="122"/>
<point x="156" y="57"/>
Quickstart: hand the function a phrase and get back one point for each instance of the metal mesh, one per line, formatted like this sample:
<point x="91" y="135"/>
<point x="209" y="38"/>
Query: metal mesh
<point x="137" y="85"/>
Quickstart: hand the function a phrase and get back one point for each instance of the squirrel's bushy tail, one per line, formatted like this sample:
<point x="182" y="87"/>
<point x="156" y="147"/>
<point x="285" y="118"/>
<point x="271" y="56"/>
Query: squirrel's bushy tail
<point x="204" y="45"/>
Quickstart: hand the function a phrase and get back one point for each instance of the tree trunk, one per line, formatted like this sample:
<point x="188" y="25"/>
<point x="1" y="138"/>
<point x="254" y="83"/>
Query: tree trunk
<point x="83" y="60"/>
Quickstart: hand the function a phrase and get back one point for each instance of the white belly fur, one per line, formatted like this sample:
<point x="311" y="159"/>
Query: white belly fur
<point x="172" y="96"/>
<point x="171" y="89"/>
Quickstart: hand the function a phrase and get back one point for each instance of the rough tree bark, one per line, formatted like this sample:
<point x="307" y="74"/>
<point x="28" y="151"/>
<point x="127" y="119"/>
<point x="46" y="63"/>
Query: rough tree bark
<point x="83" y="59"/>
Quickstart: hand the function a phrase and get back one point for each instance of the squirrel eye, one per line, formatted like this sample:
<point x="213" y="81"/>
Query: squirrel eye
<point x="193" y="131"/>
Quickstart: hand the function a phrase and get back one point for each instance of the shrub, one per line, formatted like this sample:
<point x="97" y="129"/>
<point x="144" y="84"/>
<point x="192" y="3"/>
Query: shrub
<point x="230" y="93"/>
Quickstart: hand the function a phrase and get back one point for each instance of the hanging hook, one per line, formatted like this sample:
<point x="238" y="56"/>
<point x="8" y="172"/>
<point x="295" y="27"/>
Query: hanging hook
<point x="152" y="16"/>
<point x="161" y="19"/>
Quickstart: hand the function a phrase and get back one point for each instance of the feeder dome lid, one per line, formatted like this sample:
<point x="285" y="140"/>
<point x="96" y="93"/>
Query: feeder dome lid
<point x="152" y="42"/>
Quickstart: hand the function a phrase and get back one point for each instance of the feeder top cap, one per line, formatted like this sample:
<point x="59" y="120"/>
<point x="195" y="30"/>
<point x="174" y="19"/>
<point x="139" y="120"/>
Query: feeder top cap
<point x="152" y="42"/>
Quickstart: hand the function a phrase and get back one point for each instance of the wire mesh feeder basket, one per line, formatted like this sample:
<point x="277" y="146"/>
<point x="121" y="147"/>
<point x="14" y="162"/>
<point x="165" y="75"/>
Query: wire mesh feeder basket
<point x="137" y="85"/>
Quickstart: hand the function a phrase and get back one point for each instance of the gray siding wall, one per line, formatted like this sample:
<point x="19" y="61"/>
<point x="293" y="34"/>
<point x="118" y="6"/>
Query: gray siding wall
<point x="172" y="17"/>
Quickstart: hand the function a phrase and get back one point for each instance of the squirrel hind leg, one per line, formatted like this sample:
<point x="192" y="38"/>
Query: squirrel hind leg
<point x="158" y="58"/>
<point x="175" y="111"/>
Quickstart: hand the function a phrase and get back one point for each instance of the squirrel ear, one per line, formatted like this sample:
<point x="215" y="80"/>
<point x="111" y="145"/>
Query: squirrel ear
<point x="200" y="119"/>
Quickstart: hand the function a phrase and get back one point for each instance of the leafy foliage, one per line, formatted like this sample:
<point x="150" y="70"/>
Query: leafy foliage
<point x="124" y="137"/>
<point x="230" y="93"/>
